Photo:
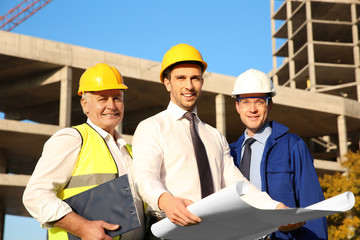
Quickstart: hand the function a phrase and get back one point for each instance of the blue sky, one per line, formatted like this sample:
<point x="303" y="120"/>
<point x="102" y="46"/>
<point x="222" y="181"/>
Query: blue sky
<point x="232" y="35"/>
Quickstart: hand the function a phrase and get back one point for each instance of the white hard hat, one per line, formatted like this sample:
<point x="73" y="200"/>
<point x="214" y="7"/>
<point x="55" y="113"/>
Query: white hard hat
<point x="253" y="81"/>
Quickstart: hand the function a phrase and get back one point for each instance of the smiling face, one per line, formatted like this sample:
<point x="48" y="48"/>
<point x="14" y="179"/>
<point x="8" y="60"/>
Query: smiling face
<point x="254" y="117"/>
<point x="104" y="108"/>
<point x="185" y="85"/>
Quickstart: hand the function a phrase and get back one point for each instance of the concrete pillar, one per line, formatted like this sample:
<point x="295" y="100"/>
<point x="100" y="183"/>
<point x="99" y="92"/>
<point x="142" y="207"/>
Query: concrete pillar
<point x="3" y="167"/>
<point x="310" y="46"/>
<point x="273" y="44"/>
<point x="342" y="132"/>
<point x="290" y="45"/>
<point x="65" y="97"/>
<point x="355" y="34"/>
<point x="220" y="113"/>
<point x="3" y="162"/>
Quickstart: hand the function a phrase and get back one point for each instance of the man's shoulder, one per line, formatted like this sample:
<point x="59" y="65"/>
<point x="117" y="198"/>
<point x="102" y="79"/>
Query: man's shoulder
<point x="159" y="117"/>
<point x="209" y="127"/>
<point x="284" y="138"/>
<point x="280" y="131"/>
<point x="66" y="131"/>
<point x="214" y="131"/>
<point x="152" y="123"/>
<point x="238" y="142"/>
<point x="64" y="135"/>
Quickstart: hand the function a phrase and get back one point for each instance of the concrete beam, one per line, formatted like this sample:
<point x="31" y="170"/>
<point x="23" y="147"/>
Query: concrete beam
<point x="28" y="128"/>
<point x="43" y="50"/>
<point x="17" y="180"/>
<point x="218" y="83"/>
<point x="328" y="165"/>
<point x="317" y="102"/>
<point x="327" y="88"/>
<point x="337" y="1"/>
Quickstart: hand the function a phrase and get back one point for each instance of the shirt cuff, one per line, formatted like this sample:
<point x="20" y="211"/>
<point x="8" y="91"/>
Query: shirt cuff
<point x="62" y="211"/>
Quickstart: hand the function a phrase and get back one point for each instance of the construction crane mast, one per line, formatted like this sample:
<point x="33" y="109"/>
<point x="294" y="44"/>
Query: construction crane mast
<point x="20" y="13"/>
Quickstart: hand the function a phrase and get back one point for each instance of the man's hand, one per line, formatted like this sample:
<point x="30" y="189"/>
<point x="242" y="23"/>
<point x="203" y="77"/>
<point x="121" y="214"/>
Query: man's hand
<point x="85" y="229"/>
<point x="96" y="230"/>
<point x="291" y="227"/>
<point x="175" y="209"/>
<point x="288" y="227"/>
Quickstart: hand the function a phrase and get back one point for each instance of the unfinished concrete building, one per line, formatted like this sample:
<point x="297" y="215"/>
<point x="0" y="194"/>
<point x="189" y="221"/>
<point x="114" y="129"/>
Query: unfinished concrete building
<point x="317" y="91"/>
<point x="315" y="45"/>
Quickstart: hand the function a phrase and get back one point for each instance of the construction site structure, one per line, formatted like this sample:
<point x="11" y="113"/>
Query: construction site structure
<point x="39" y="81"/>
<point x="315" y="46"/>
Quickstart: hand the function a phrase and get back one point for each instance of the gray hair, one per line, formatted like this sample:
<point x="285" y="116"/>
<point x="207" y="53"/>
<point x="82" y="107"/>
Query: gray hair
<point x="86" y="96"/>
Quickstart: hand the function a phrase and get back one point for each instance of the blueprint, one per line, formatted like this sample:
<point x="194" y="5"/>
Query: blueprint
<point x="227" y="214"/>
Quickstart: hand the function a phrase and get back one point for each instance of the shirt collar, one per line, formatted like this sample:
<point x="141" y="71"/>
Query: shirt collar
<point x="177" y="112"/>
<point x="104" y="134"/>
<point x="261" y="135"/>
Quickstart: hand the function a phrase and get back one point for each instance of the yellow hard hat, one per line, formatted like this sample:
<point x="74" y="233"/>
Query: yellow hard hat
<point x="181" y="53"/>
<point x="100" y="77"/>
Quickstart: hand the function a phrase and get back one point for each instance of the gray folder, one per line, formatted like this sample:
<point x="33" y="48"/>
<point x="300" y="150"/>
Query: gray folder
<point x="111" y="202"/>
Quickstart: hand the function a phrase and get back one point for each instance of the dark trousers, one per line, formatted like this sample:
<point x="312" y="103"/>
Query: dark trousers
<point x="150" y="220"/>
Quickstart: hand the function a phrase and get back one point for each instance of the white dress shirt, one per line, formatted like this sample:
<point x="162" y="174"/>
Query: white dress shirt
<point x="164" y="158"/>
<point x="55" y="168"/>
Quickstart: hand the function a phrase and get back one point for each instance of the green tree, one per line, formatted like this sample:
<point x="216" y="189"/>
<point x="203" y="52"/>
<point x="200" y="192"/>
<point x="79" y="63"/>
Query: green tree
<point x="344" y="225"/>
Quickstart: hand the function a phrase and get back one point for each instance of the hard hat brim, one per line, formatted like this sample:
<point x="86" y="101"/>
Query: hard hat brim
<point x="202" y="63"/>
<point x="97" y="89"/>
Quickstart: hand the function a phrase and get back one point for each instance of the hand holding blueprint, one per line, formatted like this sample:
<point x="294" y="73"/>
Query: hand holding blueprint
<point x="226" y="215"/>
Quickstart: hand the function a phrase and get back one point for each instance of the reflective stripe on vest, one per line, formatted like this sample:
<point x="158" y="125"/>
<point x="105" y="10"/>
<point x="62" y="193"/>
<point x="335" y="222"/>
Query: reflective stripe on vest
<point x="129" y="149"/>
<point x="92" y="168"/>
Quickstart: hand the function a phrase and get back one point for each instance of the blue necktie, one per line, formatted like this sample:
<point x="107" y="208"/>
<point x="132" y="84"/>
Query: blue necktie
<point x="246" y="158"/>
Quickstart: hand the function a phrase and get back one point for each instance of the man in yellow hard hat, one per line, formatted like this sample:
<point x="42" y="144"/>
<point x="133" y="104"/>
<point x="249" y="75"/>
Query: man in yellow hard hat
<point x="167" y="169"/>
<point x="78" y="158"/>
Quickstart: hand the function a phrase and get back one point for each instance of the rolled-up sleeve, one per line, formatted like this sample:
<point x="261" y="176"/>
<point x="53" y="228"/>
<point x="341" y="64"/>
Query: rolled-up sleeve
<point x="51" y="174"/>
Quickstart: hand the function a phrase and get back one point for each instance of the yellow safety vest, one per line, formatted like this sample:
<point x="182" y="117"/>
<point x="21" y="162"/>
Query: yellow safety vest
<point x="92" y="168"/>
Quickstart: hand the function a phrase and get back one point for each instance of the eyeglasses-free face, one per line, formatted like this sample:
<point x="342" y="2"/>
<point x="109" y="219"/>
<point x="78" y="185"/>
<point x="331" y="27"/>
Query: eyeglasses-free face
<point x="185" y="85"/>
